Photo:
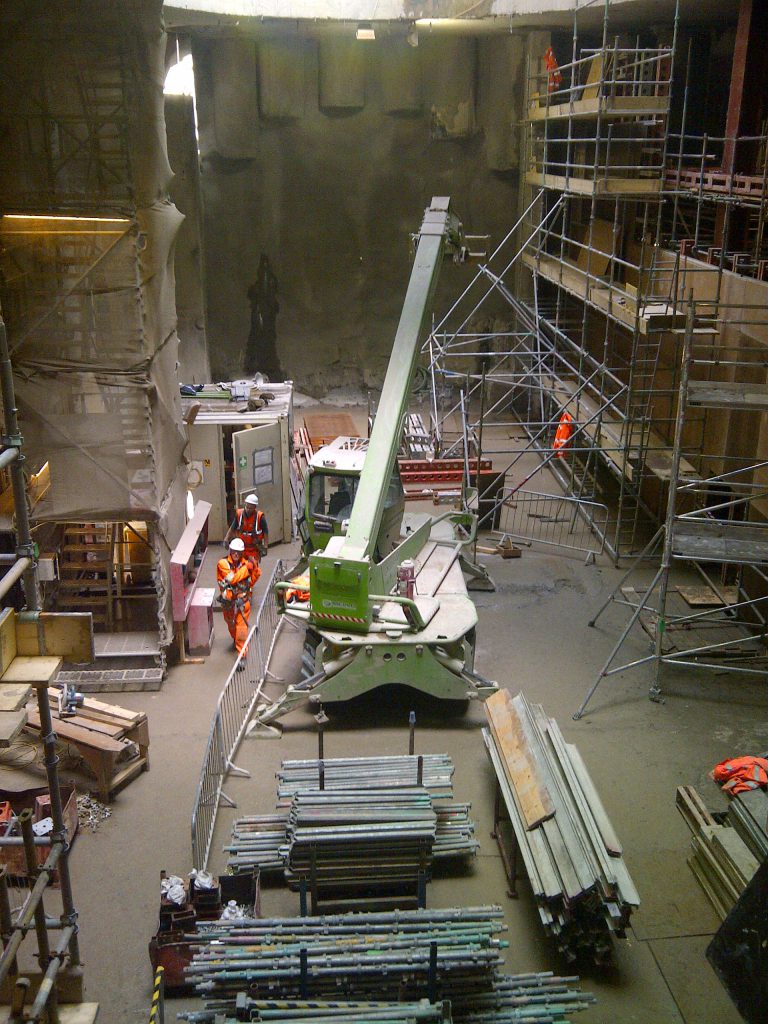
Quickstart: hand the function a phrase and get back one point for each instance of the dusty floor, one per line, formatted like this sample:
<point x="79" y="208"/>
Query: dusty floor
<point x="533" y="635"/>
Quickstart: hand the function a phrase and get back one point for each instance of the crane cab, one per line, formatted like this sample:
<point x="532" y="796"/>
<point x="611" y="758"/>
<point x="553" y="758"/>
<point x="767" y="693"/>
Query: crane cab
<point x="334" y="476"/>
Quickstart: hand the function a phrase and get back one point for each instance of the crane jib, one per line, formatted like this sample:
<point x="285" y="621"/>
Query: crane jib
<point x="340" y="574"/>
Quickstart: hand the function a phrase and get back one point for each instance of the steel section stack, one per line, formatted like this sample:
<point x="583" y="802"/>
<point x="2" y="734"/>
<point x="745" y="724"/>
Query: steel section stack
<point x="433" y="771"/>
<point x="375" y="841"/>
<point x="317" y="1011"/>
<point x="388" y="955"/>
<point x="573" y="859"/>
<point x="362" y="810"/>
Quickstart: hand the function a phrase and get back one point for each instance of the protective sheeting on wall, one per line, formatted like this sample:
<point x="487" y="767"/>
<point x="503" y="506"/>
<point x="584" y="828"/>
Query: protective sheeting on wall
<point x="86" y="266"/>
<point x="188" y="257"/>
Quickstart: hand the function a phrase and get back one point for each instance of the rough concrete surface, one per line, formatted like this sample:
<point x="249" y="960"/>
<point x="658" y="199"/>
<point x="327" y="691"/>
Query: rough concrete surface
<point x="532" y="635"/>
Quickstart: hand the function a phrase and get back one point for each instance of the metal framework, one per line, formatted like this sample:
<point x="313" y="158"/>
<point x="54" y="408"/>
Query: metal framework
<point x="13" y="931"/>
<point x="714" y="524"/>
<point x="580" y="311"/>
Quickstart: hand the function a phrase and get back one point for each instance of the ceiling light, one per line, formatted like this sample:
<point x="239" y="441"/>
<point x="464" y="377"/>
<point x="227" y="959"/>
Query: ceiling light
<point x="365" y="31"/>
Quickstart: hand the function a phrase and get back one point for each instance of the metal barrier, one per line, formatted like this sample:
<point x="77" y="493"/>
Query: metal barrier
<point x="233" y="711"/>
<point x="556" y="520"/>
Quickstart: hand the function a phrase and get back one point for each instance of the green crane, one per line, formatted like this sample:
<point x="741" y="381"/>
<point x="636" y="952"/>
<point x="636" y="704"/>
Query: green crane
<point x="389" y="606"/>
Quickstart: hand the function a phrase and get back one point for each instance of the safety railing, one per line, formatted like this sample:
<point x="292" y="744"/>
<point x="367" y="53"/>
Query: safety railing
<point x="236" y="702"/>
<point x="555" y="520"/>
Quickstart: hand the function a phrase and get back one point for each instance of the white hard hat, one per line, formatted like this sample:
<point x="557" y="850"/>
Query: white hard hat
<point x="236" y="544"/>
<point x="252" y="499"/>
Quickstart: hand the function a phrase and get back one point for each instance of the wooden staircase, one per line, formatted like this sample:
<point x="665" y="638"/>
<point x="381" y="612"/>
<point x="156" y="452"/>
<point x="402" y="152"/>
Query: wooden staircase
<point x="86" y="572"/>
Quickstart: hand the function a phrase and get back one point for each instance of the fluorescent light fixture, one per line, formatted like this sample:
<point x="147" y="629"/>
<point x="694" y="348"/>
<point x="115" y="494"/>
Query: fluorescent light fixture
<point x="365" y="31"/>
<point x="58" y="216"/>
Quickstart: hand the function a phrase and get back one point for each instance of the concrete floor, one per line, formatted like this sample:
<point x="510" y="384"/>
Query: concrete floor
<point x="532" y="635"/>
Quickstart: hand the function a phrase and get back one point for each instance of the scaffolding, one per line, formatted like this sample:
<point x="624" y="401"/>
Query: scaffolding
<point x="579" y="314"/>
<point x="715" y="525"/>
<point x="62" y="959"/>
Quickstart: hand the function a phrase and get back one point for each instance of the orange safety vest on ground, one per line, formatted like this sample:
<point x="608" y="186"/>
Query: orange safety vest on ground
<point x="740" y="774"/>
<point x="250" y="530"/>
<point x="555" y="79"/>
<point x="299" y="590"/>
<point x="563" y="434"/>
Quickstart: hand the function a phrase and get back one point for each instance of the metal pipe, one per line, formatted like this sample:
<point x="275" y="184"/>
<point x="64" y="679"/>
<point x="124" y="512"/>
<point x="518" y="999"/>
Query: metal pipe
<point x="14" y="574"/>
<point x="45" y="1000"/>
<point x="59" y="835"/>
<point x="43" y="948"/>
<point x="13" y="438"/>
<point x="6" y="920"/>
<point x="7" y="457"/>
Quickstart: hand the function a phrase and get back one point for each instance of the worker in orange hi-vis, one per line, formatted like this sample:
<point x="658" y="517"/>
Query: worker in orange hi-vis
<point x="250" y="525"/>
<point x="236" y="575"/>
<point x="563" y="434"/>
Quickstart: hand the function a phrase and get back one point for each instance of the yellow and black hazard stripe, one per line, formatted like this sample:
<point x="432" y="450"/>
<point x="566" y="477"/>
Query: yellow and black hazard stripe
<point x="157" y="1011"/>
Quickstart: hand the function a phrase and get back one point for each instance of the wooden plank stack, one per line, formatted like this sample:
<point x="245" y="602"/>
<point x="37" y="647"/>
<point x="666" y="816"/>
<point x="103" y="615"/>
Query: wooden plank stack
<point x="748" y="814"/>
<point x="113" y="741"/>
<point x="721" y="860"/>
<point x="569" y="849"/>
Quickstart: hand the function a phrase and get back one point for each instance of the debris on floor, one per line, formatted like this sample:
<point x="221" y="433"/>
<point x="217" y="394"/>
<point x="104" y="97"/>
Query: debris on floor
<point x="91" y="812"/>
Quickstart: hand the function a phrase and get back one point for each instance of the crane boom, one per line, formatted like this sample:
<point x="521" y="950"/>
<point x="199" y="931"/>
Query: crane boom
<point x="438" y="228"/>
<point x="344" y="575"/>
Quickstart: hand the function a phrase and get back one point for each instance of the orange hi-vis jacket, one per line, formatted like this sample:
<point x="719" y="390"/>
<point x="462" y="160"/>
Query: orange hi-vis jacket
<point x="740" y="774"/>
<point x="236" y="581"/>
<point x="250" y="529"/>
<point x="563" y="434"/>
<point x="299" y="590"/>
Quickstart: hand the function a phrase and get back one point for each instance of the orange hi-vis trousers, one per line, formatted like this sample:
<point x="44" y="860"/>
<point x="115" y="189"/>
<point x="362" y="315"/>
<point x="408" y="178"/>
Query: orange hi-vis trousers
<point x="237" y="623"/>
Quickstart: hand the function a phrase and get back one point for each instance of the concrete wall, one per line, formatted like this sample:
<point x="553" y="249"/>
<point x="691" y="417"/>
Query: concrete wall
<point x="185" y="194"/>
<point x="323" y="155"/>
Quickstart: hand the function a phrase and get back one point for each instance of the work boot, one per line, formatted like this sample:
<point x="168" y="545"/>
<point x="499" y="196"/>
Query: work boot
<point x="241" y="666"/>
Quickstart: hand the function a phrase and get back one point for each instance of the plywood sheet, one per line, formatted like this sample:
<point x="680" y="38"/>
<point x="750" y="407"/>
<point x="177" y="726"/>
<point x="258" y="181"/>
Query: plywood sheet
<point x="519" y="760"/>
<point x="67" y="635"/>
<point x="7" y="638"/>
<point x="324" y="427"/>
<point x="11" y="724"/>
<point x="14" y="696"/>
<point x="31" y="670"/>
<point x="705" y="597"/>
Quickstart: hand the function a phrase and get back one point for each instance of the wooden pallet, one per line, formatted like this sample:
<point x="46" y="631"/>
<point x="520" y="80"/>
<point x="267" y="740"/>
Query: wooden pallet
<point x="101" y="732"/>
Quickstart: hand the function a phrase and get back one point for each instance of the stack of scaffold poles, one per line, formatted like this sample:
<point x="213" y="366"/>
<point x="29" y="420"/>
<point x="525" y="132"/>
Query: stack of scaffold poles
<point x="568" y="847"/>
<point x="317" y="1011"/>
<point x="350" y="841"/>
<point x="367" y="812"/>
<point x="432" y="771"/>
<point x="386" y="954"/>
<point x="259" y="840"/>
<point x="298" y="969"/>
